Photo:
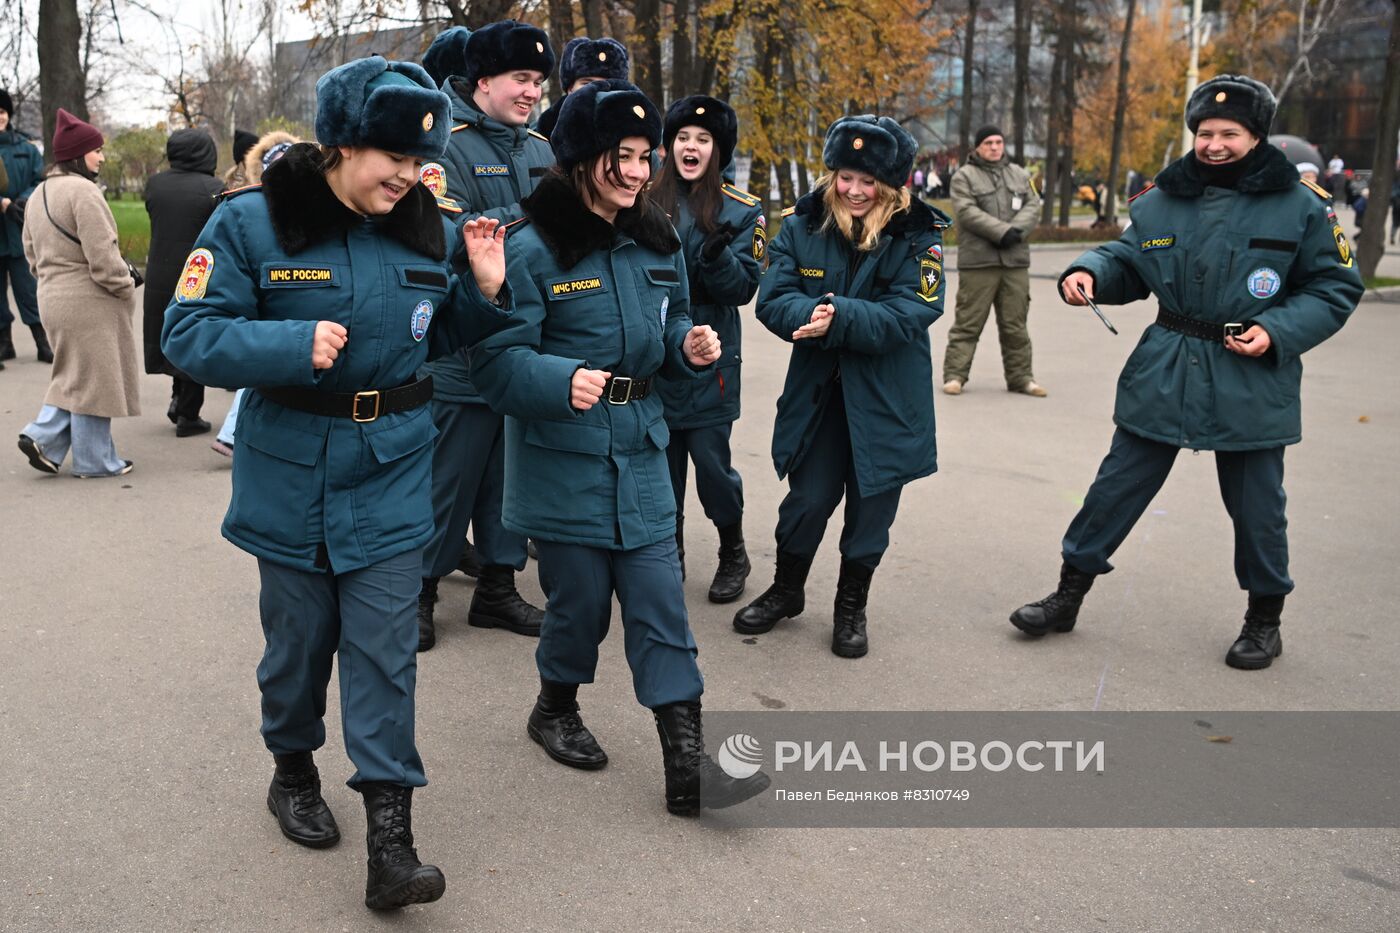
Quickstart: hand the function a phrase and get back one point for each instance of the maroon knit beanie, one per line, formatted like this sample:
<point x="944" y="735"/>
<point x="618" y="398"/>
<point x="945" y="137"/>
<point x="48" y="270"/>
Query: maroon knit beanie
<point x="72" y="138"/>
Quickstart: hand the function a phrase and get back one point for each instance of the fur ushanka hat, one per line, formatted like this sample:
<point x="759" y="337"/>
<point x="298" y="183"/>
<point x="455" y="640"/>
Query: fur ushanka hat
<point x="384" y="105"/>
<point x="506" y="46"/>
<point x="710" y="114"/>
<point x="874" y="145"/>
<point x="447" y="56"/>
<point x="583" y="57"/>
<point x="1248" y="102"/>
<point x="598" y="116"/>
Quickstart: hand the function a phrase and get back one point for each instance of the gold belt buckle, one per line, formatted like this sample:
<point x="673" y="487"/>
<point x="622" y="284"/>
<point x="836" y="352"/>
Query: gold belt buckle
<point x="355" y="409"/>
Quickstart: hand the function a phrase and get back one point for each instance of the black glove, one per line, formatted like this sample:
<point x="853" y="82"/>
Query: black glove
<point x="16" y="210"/>
<point x="717" y="242"/>
<point x="1011" y="238"/>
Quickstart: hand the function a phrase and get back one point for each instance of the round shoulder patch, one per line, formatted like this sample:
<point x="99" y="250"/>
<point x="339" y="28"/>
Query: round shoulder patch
<point x="1264" y="282"/>
<point x="434" y="178"/>
<point x="194" y="280"/>
<point x="418" y="323"/>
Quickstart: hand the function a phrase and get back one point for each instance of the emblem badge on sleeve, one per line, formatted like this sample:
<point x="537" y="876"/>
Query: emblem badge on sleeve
<point x="194" y="280"/>
<point x="422" y="315"/>
<point x="1264" y="282"/>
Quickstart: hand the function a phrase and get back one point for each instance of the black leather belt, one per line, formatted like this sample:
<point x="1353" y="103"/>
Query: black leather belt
<point x="1192" y="327"/>
<point x="360" y="407"/>
<point x="619" y="390"/>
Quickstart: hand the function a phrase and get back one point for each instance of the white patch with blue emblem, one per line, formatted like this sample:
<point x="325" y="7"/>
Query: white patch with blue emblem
<point x="1264" y="282"/>
<point x="665" y="303"/>
<point x="418" y="323"/>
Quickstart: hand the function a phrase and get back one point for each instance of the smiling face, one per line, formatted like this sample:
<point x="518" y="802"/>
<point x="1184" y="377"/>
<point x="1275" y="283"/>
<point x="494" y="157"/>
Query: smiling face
<point x="1220" y="141"/>
<point x="856" y="190"/>
<point x="510" y="96"/>
<point x="617" y="191"/>
<point x="4" y="121"/>
<point x="372" y="181"/>
<point x="691" y="151"/>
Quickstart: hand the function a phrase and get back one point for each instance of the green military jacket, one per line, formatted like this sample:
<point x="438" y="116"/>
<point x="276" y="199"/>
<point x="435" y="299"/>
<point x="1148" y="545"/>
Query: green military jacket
<point x="487" y="169"/>
<point x="989" y="198"/>
<point x="1270" y="252"/>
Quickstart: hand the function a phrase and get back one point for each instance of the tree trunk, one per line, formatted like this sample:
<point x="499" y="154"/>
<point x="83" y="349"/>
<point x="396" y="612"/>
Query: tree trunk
<point x="1055" y="106"/>
<point x="1371" y="244"/>
<point x="592" y="18"/>
<point x="646" y="67"/>
<point x="1121" y="108"/>
<point x="965" y="117"/>
<point x="61" y="79"/>
<point x="1069" y="19"/>
<point x="561" y="30"/>
<point x="1020" y="78"/>
<point x="682" y="73"/>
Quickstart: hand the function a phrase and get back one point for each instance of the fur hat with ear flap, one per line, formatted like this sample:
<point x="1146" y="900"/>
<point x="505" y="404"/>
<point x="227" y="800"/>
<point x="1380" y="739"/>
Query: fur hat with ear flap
<point x="598" y="116"/>
<point x="1248" y="102"/>
<point x="381" y="104"/>
<point x="447" y="56"/>
<point x="710" y="114"/>
<point x="271" y="147"/>
<point x="583" y="57"/>
<point x="874" y="145"/>
<point x="506" y="46"/>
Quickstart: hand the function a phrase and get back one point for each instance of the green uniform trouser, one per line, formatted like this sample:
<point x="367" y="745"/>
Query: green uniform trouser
<point x="978" y="290"/>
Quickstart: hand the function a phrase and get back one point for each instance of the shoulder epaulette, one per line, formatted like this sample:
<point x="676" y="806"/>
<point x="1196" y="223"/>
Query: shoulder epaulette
<point x="236" y="191"/>
<point x="1149" y="187"/>
<point x="538" y="135"/>
<point x="1317" y="189"/>
<point x="789" y="211"/>
<point x="449" y="205"/>
<point x="461" y="126"/>
<point x="743" y="197"/>
<point x="515" y="225"/>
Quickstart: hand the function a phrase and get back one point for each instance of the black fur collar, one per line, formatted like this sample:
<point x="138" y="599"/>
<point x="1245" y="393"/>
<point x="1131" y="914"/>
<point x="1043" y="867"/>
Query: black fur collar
<point x="572" y="231"/>
<point x="919" y="216"/>
<point x="1271" y="172"/>
<point x="305" y="211"/>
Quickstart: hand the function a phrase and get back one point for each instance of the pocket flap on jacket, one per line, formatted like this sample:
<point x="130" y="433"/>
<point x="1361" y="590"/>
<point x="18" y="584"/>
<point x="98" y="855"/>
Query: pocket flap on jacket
<point x="662" y="275"/>
<point x="423" y="277"/>
<point x="659" y="433"/>
<point x="402" y="438"/>
<point x="572" y="436"/>
<point x="282" y="441"/>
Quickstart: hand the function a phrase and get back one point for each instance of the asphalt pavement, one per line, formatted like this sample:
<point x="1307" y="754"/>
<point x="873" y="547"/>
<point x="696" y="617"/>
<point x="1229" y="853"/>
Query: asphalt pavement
<point x="133" y="776"/>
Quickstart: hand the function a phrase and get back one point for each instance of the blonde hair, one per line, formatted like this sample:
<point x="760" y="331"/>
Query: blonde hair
<point x="888" y="202"/>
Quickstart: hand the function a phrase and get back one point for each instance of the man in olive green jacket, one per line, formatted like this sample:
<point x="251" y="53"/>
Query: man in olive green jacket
<point x="996" y="206"/>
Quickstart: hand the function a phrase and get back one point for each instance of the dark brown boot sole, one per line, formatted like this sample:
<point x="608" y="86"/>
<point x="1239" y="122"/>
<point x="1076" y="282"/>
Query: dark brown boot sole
<point x="423" y="888"/>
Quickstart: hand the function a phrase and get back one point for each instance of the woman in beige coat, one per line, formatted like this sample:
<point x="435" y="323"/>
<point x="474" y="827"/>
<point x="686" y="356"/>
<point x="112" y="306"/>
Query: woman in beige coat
<point x="85" y="301"/>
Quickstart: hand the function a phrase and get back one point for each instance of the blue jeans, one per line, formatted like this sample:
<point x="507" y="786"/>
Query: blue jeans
<point x="90" y="437"/>
<point x="16" y="269"/>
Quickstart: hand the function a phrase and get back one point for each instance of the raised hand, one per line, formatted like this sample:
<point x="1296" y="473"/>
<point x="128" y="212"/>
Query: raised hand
<point x="485" y="240"/>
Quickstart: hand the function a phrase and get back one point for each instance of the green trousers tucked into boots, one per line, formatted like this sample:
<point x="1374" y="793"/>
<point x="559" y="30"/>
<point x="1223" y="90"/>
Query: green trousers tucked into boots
<point x="978" y="290"/>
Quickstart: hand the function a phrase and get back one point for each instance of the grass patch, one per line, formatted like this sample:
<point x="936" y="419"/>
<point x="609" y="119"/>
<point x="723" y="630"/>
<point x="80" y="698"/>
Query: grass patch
<point x="133" y="228"/>
<point x="1382" y="281"/>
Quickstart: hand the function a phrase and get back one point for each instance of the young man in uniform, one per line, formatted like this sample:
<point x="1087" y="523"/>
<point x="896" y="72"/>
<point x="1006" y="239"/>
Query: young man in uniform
<point x="494" y="80"/>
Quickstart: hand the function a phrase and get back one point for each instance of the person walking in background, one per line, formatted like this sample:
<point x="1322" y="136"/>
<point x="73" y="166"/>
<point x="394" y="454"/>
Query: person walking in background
<point x="22" y="167"/>
<point x="995" y="206"/>
<point x="179" y="200"/>
<point x="724" y="240"/>
<point x="856" y="282"/>
<point x="268" y="149"/>
<point x="1395" y="204"/>
<point x="85" y="292"/>
<point x="237" y="175"/>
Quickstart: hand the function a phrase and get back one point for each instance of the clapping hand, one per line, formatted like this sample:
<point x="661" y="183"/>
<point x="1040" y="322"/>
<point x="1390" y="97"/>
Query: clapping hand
<point x="702" y="345"/>
<point x="485" y="240"/>
<point x="820" y="322"/>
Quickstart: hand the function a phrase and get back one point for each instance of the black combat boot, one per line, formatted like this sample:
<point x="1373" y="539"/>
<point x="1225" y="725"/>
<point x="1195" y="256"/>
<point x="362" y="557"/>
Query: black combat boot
<point x="848" y="621"/>
<point x="1060" y="610"/>
<point x="734" y="566"/>
<point x="427" y="596"/>
<point x="41" y="343"/>
<point x="396" y="877"/>
<point x="497" y="604"/>
<point x="693" y="779"/>
<point x="470" y="562"/>
<point x="785" y="599"/>
<point x="295" y="799"/>
<point x="7" y="344"/>
<point x="1260" y="641"/>
<point x="555" y="724"/>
